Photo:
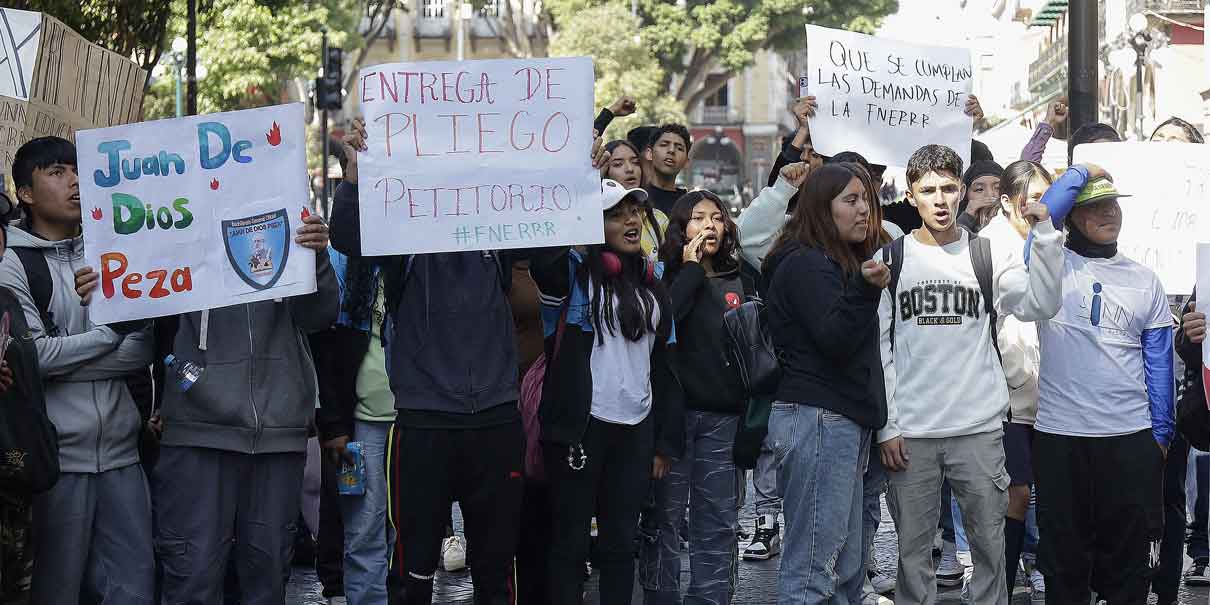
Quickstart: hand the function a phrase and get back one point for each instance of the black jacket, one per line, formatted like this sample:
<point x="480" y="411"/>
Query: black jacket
<point x="567" y="387"/>
<point x="452" y="322"/>
<point x="698" y="303"/>
<point x="825" y="327"/>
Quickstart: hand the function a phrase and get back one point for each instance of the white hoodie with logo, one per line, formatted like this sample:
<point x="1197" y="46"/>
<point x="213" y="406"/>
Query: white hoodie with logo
<point x="943" y="378"/>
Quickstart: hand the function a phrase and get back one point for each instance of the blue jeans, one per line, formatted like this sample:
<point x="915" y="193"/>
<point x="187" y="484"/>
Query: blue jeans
<point x="705" y="478"/>
<point x="1199" y="542"/>
<point x="764" y="480"/>
<point x="368" y="536"/>
<point x="821" y="459"/>
<point x="956" y="521"/>
<point x="874" y="485"/>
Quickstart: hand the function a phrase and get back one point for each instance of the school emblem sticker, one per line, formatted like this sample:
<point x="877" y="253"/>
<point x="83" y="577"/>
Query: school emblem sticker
<point x="258" y="246"/>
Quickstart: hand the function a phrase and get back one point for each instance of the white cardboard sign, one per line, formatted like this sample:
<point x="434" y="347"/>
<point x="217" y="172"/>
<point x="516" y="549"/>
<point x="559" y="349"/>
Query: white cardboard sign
<point x="885" y="99"/>
<point x="1170" y="185"/>
<point x="195" y="213"/>
<point x="478" y="155"/>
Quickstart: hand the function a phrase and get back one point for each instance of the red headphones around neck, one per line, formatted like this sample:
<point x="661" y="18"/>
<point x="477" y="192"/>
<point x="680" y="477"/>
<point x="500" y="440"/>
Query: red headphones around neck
<point x="612" y="265"/>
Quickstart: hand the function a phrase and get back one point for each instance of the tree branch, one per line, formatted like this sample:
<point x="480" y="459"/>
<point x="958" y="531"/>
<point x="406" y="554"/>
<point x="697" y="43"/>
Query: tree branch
<point x="706" y="90"/>
<point x="386" y="6"/>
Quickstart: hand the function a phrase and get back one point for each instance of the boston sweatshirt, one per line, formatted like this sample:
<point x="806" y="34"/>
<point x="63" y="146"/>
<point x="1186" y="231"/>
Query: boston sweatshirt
<point x="943" y="378"/>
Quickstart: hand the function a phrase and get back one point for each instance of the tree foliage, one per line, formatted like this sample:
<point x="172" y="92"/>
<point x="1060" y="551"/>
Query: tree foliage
<point x="623" y="64"/>
<point x="691" y="39"/>
<point x="257" y="52"/>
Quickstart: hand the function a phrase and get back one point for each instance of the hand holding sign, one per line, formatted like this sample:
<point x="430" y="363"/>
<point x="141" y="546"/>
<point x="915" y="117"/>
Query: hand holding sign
<point x="1194" y="324"/>
<point x="804" y="109"/>
<point x="313" y="234"/>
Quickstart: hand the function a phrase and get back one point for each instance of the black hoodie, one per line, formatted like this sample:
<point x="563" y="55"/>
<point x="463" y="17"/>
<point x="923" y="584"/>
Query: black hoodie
<point x="825" y="328"/>
<point x="709" y="377"/>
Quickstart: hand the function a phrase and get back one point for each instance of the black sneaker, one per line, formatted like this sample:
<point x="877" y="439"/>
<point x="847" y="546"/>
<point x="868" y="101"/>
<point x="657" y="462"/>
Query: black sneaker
<point x="1197" y="575"/>
<point x="766" y="543"/>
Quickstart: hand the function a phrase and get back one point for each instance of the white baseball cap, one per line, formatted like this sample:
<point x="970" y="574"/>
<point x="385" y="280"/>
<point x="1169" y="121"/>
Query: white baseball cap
<point x="612" y="194"/>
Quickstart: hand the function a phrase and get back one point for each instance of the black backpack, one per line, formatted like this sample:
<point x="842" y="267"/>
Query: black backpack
<point x="29" y="443"/>
<point x="751" y="347"/>
<point x="981" y="261"/>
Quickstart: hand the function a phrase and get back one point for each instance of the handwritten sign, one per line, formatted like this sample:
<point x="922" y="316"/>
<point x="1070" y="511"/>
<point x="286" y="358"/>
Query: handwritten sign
<point x="478" y="155"/>
<point x="195" y="213"/>
<point x="1170" y="183"/>
<point x="886" y="99"/>
<point x="55" y="82"/>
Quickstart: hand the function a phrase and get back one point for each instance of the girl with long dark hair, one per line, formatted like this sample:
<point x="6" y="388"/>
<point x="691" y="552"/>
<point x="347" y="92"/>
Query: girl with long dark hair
<point x="704" y="283"/>
<point x="611" y="408"/>
<point x="626" y="167"/>
<point x="822" y="305"/>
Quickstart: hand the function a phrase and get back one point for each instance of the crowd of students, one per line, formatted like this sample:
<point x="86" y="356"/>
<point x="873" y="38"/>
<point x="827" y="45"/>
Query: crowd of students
<point x="987" y="359"/>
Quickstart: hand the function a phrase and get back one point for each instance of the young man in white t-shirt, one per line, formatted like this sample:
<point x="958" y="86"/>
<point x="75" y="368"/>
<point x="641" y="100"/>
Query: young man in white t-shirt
<point x="946" y="392"/>
<point x="1105" y="412"/>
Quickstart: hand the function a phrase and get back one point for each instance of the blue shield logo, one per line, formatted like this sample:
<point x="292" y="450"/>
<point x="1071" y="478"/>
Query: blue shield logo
<point x="258" y="247"/>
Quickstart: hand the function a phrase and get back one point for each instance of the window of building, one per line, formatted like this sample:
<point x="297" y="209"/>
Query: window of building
<point x="491" y="8"/>
<point x="433" y="9"/>
<point x="720" y="97"/>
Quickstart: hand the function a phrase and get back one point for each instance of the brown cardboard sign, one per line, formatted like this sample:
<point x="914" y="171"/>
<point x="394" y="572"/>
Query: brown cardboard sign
<point x="54" y="82"/>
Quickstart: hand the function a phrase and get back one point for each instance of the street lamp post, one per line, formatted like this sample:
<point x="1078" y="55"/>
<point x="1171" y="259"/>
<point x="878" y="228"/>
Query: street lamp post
<point x="1140" y="40"/>
<point x="465" y="11"/>
<point x="178" y="62"/>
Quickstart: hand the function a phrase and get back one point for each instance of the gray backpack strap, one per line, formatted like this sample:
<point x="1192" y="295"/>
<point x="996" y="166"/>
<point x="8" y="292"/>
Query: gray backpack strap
<point x="981" y="261"/>
<point x="892" y="257"/>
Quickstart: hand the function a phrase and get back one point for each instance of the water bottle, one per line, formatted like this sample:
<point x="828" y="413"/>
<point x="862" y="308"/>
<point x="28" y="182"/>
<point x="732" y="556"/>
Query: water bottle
<point x="185" y="372"/>
<point x="352" y="477"/>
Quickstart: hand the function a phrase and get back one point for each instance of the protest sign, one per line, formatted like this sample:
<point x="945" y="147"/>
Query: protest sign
<point x="478" y="155"/>
<point x="885" y="99"/>
<point x="195" y="213"/>
<point x="55" y="82"/>
<point x="1203" y="285"/>
<point x="1170" y="183"/>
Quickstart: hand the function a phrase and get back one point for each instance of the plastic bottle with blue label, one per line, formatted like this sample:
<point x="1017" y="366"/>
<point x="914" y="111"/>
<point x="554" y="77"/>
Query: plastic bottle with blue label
<point x="186" y="373"/>
<point x="352" y="478"/>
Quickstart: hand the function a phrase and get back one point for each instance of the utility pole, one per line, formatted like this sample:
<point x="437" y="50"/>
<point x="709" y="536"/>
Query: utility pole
<point x="323" y="126"/>
<point x="191" y="57"/>
<point x="1082" y="62"/>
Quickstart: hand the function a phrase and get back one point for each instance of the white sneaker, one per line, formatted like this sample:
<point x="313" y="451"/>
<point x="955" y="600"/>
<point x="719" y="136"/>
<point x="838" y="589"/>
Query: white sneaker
<point x="870" y="597"/>
<point x="878" y="581"/>
<point x="337" y="601"/>
<point x="1037" y="587"/>
<point x="949" y="570"/>
<point x="453" y="554"/>
<point x="967" y="574"/>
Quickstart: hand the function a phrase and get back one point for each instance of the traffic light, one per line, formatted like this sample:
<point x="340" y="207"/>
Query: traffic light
<point x="329" y="93"/>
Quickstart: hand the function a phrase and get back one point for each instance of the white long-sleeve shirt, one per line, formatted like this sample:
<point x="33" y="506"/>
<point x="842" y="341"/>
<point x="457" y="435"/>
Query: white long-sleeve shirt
<point x="1019" y="350"/>
<point x="943" y="378"/>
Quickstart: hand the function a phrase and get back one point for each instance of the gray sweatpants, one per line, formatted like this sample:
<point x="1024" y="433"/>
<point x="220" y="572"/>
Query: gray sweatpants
<point x="974" y="467"/>
<point x="92" y="540"/>
<point x="209" y="502"/>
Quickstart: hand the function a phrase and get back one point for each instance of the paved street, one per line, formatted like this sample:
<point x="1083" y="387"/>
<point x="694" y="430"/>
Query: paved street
<point x="758" y="580"/>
